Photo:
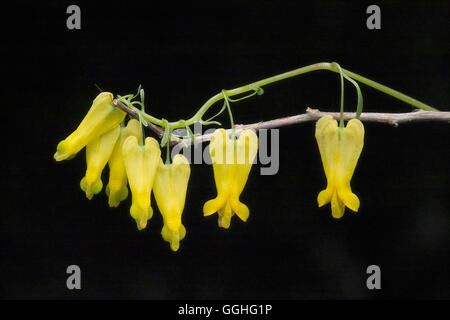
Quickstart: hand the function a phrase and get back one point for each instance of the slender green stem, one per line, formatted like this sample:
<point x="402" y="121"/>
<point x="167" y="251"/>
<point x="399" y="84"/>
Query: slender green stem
<point x="314" y="67"/>
<point x="230" y="114"/>
<point x="168" y="152"/>
<point x="142" y="136"/>
<point x="394" y="93"/>
<point x="359" y="105"/>
<point x="341" y="117"/>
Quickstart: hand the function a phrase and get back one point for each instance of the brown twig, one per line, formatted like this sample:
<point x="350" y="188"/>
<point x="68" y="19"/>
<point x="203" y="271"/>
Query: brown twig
<point x="156" y="129"/>
<point x="311" y="115"/>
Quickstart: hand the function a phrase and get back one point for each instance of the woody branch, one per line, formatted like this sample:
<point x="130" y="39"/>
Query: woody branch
<point x="393" y="119"/>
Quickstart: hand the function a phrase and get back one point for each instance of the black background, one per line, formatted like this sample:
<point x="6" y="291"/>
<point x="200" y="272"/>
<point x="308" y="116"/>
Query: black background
<point x="182" y="55"/>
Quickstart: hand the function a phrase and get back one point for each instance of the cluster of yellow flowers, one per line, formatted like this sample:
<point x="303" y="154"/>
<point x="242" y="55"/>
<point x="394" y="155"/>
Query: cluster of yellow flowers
<point x="138" y="163"/>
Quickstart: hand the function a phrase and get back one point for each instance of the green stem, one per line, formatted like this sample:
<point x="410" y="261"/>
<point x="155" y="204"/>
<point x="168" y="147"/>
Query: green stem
<point x="359" y="105"/>
<point x="230" y="114"/>
<point x="341" y="117"/>
<point x="314" y="67"/>
<point x="168" y="152"/>
<point x="396" y="94"/>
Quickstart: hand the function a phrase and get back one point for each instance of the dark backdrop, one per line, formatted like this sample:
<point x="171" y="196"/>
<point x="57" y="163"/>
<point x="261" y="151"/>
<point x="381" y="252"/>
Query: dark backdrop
<point x="182" y="55"/>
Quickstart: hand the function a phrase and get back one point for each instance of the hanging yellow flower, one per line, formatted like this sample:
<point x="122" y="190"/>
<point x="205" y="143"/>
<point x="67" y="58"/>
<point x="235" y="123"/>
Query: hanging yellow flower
<point x="98" y="152"/>
<point x="141" y="163"/>
<point x="232" y="161"/>
<point x="117" y="190"/>
<point x="339" y="150"/>
<point x="101" y="117"/>
<point x="170" y="193"/>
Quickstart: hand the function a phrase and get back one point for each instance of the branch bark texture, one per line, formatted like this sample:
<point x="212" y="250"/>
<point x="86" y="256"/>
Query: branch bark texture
<point x="393" y="119"/>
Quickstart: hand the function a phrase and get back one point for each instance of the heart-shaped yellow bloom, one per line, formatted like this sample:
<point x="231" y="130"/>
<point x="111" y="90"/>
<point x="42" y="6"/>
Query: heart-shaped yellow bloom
<point x="101" y="117"/>
<point x="339" y="150"/>
<point x="98" y="152"/>
<point x="232" y="161"/>
<point x="117" y="190"/>
<point x="141" y="163"/>
<point x="170" y="193"/>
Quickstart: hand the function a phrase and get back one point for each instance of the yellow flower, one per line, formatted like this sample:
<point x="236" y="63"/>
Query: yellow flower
<point x="339" y="150"/>
<point x="232" y="161"/>
<point x="98" y="152"/>
<point x="141" y="163"/>
<point x="117" y="190"/>
<point x="101" y="117"/>
<point x="170" y="193"/>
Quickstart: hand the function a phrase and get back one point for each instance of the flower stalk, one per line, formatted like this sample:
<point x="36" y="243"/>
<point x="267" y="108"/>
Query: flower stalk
<point x="255" y="87"/>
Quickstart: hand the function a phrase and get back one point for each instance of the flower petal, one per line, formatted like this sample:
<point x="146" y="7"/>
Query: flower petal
<point x="351" y="144"/>
<point x="173" y="237"/>
<point x="240" y="209"/>
<point x="337" y="206"/>
<point x="325" y="196"/>
<point x="141" y="163"/>
<point x="170" y="193"/>
<point x="246" y="150"/>
<point x="213" y="206"/>
<point x="350" y="199"/>
<point x="116" y="189"/>
<point x="225" y="214"/>
<point x="97" y="154"/>
<point x="232" y="162"/>
<point x="327" y="140"/>
<point x="101" y="117"/>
